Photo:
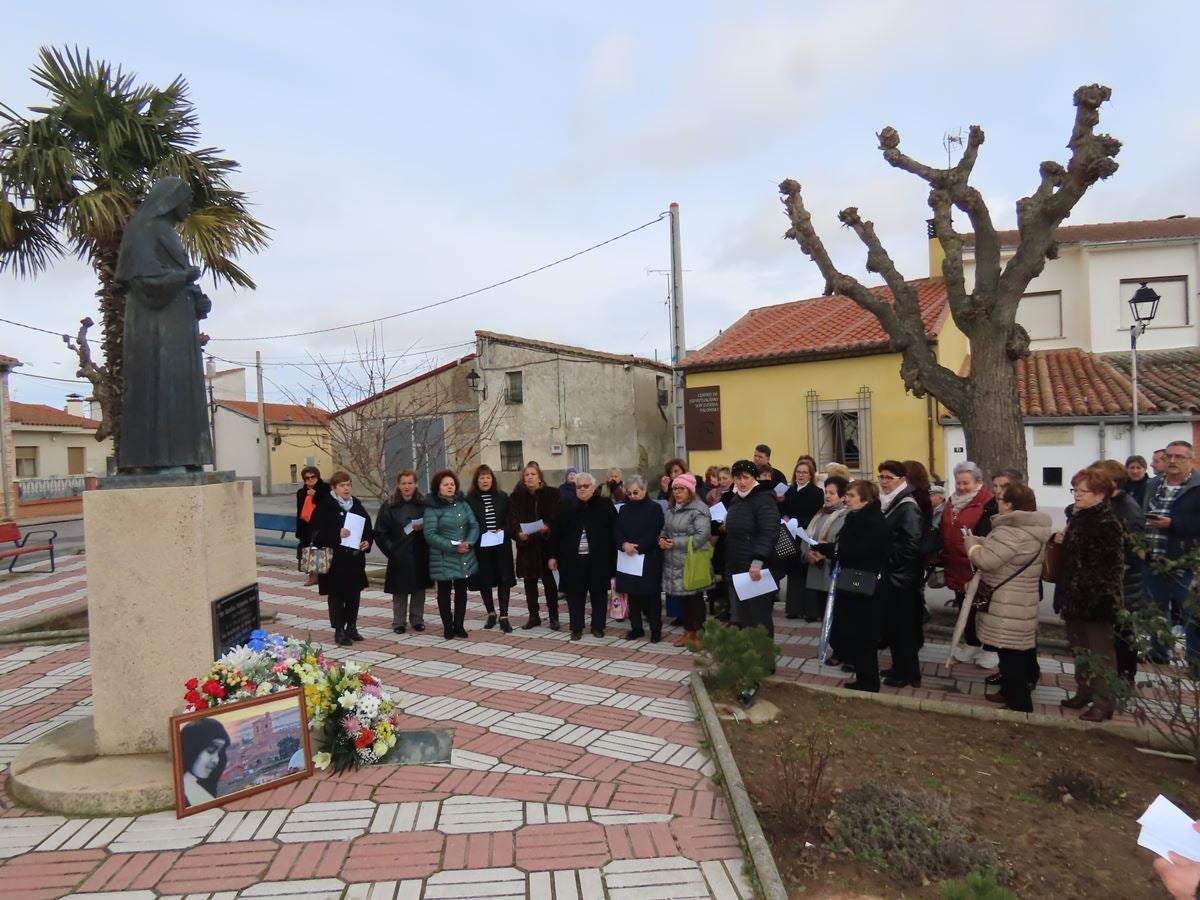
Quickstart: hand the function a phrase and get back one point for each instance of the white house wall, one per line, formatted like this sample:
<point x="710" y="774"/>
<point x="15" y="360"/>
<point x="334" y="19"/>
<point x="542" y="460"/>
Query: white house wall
<point x="235" y="442"/>
<point x="52" y="447"/>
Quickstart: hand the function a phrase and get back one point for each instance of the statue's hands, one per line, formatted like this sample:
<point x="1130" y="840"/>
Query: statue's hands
<point x="203" y="306"/>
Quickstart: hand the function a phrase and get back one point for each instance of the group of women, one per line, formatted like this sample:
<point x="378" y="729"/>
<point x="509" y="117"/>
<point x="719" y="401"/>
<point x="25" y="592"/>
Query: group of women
<point x="882" y="539"/>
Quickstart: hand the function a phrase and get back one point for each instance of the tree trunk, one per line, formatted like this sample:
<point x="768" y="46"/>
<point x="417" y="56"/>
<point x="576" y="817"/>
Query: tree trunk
<point x="991" y="418"/>
<point x="112" y="314"/>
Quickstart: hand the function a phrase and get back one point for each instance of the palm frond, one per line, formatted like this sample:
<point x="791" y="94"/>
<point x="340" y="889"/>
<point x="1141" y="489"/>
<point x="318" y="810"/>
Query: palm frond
<point x="28" y="241"/>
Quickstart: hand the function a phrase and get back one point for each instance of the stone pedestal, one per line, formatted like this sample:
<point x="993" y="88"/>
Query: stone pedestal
<point x="157" y="558"/>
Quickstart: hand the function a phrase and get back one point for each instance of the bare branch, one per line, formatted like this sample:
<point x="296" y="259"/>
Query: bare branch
<point x="98" y="376"/>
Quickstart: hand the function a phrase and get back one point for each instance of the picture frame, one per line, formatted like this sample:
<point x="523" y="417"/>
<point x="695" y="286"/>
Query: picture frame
<point x="235" y="750"/>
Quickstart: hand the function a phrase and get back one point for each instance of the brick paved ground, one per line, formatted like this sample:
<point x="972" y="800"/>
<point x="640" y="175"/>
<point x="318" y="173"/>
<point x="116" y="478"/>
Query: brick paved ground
<point x="578" y="771"/>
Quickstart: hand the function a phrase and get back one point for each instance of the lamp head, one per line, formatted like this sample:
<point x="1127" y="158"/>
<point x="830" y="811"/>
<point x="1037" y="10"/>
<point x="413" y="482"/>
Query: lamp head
<point x="1144" y="305"/>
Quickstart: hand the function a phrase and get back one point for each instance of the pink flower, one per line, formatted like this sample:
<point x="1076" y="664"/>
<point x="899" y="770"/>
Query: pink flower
<point x="352" y="725"/>
<point x="279" y="668"/>
<point x="373" y="690"/>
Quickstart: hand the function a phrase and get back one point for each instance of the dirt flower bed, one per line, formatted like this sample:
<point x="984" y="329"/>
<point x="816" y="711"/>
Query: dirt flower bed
<point x="1000" y="795"/>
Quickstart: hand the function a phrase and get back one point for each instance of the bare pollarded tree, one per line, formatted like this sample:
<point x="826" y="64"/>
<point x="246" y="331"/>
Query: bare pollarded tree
<point x="985" y="400"/>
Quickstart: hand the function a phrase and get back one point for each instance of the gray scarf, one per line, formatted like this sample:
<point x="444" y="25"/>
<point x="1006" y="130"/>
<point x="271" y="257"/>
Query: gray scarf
<point x="346" y="505"/>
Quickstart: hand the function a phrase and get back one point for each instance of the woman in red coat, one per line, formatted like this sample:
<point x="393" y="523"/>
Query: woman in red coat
<point x="963" y="512"/>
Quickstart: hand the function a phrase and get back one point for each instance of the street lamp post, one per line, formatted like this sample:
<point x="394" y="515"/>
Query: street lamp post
<point x="1144" y="305"/>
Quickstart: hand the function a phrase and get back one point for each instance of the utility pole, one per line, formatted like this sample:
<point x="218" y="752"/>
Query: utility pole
<point x="678" y="344"/>
<point x="263" y="439"/>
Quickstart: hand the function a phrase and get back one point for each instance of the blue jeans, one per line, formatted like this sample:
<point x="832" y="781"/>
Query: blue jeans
<point x="1169" y="592"/>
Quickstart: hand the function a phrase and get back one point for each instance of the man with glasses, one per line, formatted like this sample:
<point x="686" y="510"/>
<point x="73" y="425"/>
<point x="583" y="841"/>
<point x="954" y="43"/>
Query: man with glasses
<point x="1172" y="529"/>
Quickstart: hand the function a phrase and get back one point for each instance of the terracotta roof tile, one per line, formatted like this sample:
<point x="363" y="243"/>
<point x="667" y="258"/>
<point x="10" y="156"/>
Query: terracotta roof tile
<point x="1072" y="382"/>
<point x="39" y="414"/>
<point x="1111" y="232"/>
<point x="279" y="413"/>
<point x="818" y="328"/>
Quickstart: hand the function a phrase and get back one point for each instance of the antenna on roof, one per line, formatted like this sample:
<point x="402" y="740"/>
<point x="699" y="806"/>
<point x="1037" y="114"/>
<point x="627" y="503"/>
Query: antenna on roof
<point x="951" y="140"/>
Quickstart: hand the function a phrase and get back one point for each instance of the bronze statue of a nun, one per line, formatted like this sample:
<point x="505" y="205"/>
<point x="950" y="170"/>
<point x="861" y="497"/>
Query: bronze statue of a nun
<point x="164" y="418"/>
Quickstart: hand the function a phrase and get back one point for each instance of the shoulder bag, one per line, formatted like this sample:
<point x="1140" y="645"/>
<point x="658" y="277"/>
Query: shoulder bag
<point x="785" y="545"/>
<point x="1052" y="562"/>
<point x="316" y="560"/>
<point x="856" y="581"/>
<point x="983" y="592"/>
<point x="697" y="569"/>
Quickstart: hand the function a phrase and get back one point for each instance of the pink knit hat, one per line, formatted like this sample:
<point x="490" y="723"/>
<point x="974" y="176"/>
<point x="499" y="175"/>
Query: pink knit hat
<point x="687" y="479"/>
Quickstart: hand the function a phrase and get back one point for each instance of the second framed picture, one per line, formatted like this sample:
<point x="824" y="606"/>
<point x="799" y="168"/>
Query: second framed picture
<point x="229" y="752"/>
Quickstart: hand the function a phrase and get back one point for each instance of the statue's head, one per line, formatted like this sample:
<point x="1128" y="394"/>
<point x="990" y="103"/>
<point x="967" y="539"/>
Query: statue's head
<point x="169" y="196"/>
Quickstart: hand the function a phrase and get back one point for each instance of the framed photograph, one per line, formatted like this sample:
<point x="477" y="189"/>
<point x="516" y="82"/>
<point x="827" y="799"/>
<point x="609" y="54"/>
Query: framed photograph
<point x="232" y="751"/>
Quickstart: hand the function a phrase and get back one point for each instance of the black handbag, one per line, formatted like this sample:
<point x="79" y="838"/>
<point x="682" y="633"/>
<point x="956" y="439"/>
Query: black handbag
<point x="983" y="592"/>
<point x="785" y="546"/>
<point x="858" y="581"/>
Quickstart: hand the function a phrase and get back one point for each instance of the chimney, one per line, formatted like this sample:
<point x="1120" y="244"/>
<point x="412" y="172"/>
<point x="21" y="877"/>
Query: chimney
<point x="75" y="405"/>
<point x="210" y="368"/>
<point x="936" y="252"/>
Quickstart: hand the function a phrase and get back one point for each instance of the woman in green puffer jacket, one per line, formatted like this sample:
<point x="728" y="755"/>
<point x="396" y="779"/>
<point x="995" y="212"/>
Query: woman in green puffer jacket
<point x="451" y="531"/>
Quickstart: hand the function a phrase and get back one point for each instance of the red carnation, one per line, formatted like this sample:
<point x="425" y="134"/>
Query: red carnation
<point x="201" y="704"/>
<point x="365" y="678"/>
<point x="193" y="697"/>
<point x="192" y="683"/>
<point x="365" y="738"/>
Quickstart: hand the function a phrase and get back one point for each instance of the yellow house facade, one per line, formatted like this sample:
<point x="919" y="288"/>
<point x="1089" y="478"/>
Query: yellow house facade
<point x="816" y="377"/>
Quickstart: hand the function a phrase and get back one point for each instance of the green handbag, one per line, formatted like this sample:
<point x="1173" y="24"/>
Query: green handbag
<point x="697" y="570"/>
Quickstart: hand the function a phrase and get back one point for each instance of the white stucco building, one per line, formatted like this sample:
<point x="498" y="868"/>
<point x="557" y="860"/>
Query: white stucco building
<point x="1076" y="392"/>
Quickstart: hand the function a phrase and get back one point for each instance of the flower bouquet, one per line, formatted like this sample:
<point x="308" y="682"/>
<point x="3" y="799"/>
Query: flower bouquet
<point x="356" y="716"/>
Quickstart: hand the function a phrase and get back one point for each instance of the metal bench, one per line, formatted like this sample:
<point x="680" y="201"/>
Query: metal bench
<point x="11" y="533"/>
<point x="285" y="525"/>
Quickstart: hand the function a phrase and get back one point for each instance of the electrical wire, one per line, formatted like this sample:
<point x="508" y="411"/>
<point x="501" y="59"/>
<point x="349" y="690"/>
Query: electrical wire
<point x="624" y="234"/>
<point x="35" y="328"/>
<point x="48" y="378"/>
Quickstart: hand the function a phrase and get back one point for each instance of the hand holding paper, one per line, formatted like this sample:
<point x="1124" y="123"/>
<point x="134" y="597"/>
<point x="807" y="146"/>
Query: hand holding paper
<point x="491" y="538"/>
<point x="718" y="512"/>
<point x="354" y="524"/>
<point x="630" y="565"/>
<point x="532" y="527"/>
<point x="746" y="588"/>
<point x="1167" y="828"/>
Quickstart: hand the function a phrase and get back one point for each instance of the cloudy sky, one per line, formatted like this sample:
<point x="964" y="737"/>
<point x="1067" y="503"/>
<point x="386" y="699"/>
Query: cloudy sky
<point x="406" y="153"/>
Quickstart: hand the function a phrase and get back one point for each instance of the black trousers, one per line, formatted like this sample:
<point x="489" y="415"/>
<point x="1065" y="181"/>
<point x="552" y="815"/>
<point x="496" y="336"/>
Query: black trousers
<point x="650" y="606"/>
<point x="905" y="633"/>
<point x="485" y="594"/>
<point x="589" y="578"/>
<point x="757" y="611"/>
<point x="452" y="620"/>
<point x="694" y="612"/>
<point x="863" y="654"/>
<point x="343" y="609"/>
<point x="1018" y="668"/>
<point x="794" y="590"/>
<point x="1125" y="644"/>
<point x="551" y="589"/>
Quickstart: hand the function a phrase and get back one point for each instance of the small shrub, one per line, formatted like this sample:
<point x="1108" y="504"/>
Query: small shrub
<point x="803" y="793"/>
<point x="738" y="658"/>
<point x="976" y="886"/>
<point x="910" y="834"/>
<point x="1068" y="785"/>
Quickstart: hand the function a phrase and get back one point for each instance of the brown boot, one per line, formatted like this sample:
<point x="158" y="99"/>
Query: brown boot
<point x="681" y="640"/>
<point x="1098" y="713"/>
<point x="1079" y="701"/>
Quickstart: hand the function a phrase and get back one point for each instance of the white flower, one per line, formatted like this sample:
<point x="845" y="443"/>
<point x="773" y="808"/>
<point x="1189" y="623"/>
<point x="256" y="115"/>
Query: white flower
<point x="368" y="706"/>
<point x="391" y="741"/>
<point x="321" y="760"/>
<point x="379" y="748"/>
<point x="241" y="658"/>
<point x="348" y="700"/>
<point x="353" y="668"/>
<point x="265" y="688"/>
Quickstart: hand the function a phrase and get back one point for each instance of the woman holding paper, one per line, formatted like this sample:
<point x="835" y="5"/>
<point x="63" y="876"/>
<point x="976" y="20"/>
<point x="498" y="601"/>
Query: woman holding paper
<point x="494" y="552"/>
<point x="533" y="507"/>
<point x="862" y="545"/>
<point x="451" y="531"/>
<point x="824" y="528"/>
<point x="339" y="517"/>
<point x="800" y="502"/>
<point x="398" y="533"/>
<point x="639" y="523"/>
<point x="307" y="498"/>
<point x="751" y="527"/>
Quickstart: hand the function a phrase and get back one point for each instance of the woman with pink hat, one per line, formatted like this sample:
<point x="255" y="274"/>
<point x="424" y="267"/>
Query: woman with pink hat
<point x="687" y="517"/>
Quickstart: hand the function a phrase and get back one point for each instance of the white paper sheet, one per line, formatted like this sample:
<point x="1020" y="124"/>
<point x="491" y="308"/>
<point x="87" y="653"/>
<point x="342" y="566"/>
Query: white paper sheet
<point x="354" y="523"/>
<point x="746" y="588"/>
<point x="411" y="526"/>
<point x="1166" y="827"/>
<point x="491" y="539"/>
<point x="780" y="490"/>
<point x="718" y="512"/>
<point x="803" y="535"/>
<point x="630" y="565"/>
<point x="532" y="527"/>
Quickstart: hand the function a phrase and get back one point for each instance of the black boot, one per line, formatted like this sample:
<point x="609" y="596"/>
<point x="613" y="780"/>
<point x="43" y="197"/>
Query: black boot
<point x="341" y="638"/>
<point x="352" y="632"/>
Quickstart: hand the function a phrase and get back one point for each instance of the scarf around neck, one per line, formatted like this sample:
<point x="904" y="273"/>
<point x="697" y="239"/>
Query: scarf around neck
<point x="885" y="500"/>
<point x="344" y="504"/>
<point x="959" y="502"/>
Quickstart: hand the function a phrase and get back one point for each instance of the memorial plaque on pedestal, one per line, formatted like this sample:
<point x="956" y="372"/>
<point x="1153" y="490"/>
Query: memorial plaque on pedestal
<point x="234" y="616"/>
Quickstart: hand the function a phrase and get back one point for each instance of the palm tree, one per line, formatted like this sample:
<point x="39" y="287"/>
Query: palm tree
<point x="72" y="175"/>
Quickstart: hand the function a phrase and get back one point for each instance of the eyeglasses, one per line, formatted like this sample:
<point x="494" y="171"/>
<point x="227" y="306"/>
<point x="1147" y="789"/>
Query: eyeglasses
<point x="1177" y="456"/>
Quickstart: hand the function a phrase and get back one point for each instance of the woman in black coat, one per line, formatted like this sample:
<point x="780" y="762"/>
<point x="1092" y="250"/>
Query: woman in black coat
<point x="1089" y="590"/>
<point x="317" y="490"/>
<point x="535" y="501"/>
<point x="343" y="584"/>
<point x="750" y="528"/>
<point x="398" y="533"/>
<point x="857" y="618"/>
<point x="903" y="623"/>
<point x="490" y="505"/>
<point x="639" y="523"/>
<point x="801" y="502"/>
